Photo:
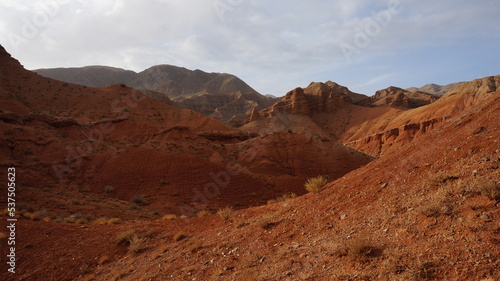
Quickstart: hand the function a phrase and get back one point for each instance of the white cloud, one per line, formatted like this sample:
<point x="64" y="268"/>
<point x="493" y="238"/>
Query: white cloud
<point x="263" y="42"/>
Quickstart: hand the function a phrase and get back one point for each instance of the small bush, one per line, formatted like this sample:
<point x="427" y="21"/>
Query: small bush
<point x="489" y="188"/>
<point x="314" y="185"/>
<point x="194" y="245"/>
<point x="115" y="221"/>
<point x="109" y="189"/>
<point x="169" y="217"/>
<point x="32" y="216"/>
<point x="125" y="236"/>
<point x="140" y="200"/>
<point x="160" y="251"/>
<point x="137" y="245"/>
<point x="203" y="213"/>
<point x="101" y="221"/>
<point x="225" y="213"/>
<point x="42" y="213"/>
<point x="82" y="221"/>
<point x="282" y="198"/>
<point x="179" y="236"/>
<point x="102" y="260"/>
<point x="133" y="207"/>
<point x="361" y="250"/>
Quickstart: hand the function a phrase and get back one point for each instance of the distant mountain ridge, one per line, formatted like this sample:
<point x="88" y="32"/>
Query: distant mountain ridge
<point x="218" y="95"/>
<point x="434" y="89"/>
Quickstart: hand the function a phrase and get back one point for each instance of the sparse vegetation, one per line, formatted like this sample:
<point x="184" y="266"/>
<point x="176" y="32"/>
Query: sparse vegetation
<point x="169" y="217"/>
<point x="285" y="197"/>
<point x="109" y="189"/>
<point x="82" y="221"/>
<point x="488" y="188"/>
<point x="101" y="221"/>
<point x="225" y="213"/>
<point x="103" y="259"/>
<point x="203" y="213"/>
<point x="194" y="244"/>
<point x="179" y="236"/>
<point x="114" y="221"/>
<point x="125" y="236"/>
<point x="160" y="251"/>
<point x="361" y="250"/>
<point x="137" y="244"/>
<point x="140" y="200"/>
<point x="32" y="216"/>
<point x="314" y="185"/>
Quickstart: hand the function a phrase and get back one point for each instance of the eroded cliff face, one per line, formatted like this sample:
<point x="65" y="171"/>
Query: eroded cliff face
<point x="397" y="97"/>
<point x="413" y="123"/>
<point x="377" y="144"/>
<point x="316" y="98"/>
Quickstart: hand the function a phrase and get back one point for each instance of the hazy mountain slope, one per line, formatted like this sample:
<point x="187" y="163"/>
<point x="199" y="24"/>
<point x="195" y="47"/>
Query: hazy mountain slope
<point x="91" y="76"/>
<point x="434" y="89"/>
<point x="218" y="95"/>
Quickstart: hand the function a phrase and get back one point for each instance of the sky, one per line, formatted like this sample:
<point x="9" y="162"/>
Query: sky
<point x="274" y="46"/>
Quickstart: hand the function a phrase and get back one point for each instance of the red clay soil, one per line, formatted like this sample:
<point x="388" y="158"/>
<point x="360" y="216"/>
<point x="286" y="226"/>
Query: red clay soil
<point x="430" y="215"/>
<point x="426" y="216"/>
<point x="427" y="209"/>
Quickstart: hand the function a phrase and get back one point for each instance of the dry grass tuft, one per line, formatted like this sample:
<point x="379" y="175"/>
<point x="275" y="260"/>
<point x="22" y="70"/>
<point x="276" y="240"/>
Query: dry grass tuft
<point x="283" y="198"/>
<point x="179" y="236"/>
<point x="140" y="200"/>
<point x="109" y="189"/>
<point x="203" y="213"/>
<point x="225" y="213"/>
<point x="361" y="250"/>
<point x="114" y="221"/>
<point x="169" y="217"/>
<point x="315" y="185"/>
<point x="247" y="276"/>
<point x="193" y="245"/>
<point x="100" y="221"/>
<point x="160" y="251"/>
<point x="32" y="216"/>
<point x="488" y="188"/>
<point x="137" y="245"/>
<point x="82" y="221"/>
<point x="125" y="236"/>
<point x="102" y="260"/>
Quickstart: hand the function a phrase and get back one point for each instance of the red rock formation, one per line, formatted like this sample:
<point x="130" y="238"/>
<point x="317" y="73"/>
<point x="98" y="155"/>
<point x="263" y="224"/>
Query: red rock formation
<point x="397" y="97"/>
<point x="316" y="98"/>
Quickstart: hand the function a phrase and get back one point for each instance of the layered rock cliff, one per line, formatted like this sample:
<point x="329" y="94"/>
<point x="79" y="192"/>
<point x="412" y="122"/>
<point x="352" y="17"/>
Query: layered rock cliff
<point x="316" y="98"/>
<point x="397" y="97"/>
